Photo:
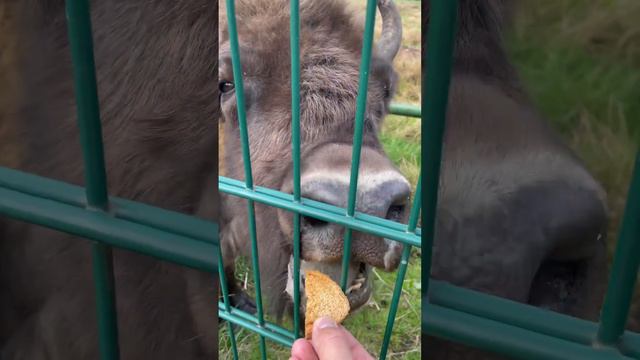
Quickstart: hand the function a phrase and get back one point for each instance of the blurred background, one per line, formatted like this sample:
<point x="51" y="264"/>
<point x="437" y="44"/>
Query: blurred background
<point x="580" y="62"/>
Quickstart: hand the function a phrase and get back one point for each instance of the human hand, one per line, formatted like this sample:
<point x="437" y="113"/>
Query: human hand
<point x="329" y="342"/>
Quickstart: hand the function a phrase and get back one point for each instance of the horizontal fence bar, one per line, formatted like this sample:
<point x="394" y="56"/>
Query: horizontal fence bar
<point x="512" y="313"/>
<point x="253" y="319"/>
<point x="108" y="229"/>
<point x="515" y="342"/>
<point x="630" y="344"/>
<point x="520" y="316"/>
<point x="370" y="225"/>
<point x="405" y="110"/>
<point x="263" y="331"/>
<point x="230" y="184"/>
<point x="147" y="215"/>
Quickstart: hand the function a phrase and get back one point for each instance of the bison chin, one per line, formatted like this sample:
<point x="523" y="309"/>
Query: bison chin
<point x="358" y="291"/>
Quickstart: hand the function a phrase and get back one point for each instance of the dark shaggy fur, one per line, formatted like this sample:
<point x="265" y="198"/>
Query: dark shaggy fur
<point x="157" y="72"/>
<point x="518" y="211"/>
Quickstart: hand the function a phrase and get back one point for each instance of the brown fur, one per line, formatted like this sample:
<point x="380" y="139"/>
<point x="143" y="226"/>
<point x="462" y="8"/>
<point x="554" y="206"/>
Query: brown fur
<point x="10" y="149"/>
<point x="156" y="68"/>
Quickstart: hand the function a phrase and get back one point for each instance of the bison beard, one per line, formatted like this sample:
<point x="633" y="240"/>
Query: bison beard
<point x="156" y="68"/>
<point x="519" y="215"/>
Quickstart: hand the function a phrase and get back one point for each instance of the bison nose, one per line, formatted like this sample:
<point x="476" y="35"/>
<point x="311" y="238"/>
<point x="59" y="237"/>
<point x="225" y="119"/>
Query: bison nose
<point x="384" y="194"/>
<point x="383" y="198"/>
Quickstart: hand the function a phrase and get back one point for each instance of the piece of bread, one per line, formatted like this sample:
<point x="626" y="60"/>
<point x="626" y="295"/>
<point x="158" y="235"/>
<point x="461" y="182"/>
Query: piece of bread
<point x="324" y="298"/>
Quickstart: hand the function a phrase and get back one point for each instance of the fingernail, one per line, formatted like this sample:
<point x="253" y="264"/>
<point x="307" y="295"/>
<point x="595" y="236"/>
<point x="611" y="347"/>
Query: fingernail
<point x="324" y="323"/>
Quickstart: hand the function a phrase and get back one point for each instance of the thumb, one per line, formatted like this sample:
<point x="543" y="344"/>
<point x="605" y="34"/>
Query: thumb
<point x="329" y="340"/>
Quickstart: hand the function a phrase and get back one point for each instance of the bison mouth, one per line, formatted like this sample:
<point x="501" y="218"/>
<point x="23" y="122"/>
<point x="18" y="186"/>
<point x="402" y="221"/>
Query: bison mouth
<point x="358" y="292"/>
<point x="559" y="286"/>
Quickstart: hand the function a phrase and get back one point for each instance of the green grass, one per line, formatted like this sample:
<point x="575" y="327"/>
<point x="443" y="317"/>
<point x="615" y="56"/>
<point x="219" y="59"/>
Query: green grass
<point x="401" y="139"/>
<point x="580" y="61"/>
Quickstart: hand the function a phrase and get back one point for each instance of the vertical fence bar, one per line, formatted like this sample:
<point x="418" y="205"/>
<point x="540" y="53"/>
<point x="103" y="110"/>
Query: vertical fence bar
<point x="80" y="39"/>
<point x="402" y="271"/>
<point x="246" y="158"/>
<point x="105" y="300"/>
<point x="227" y="307"/>
<point x="361" y="108"/>
<point x="436" y="75"/>
<point x="625" y="268"/>
<point x="295" y="134"/>
<point x="79" y="24"/>
<point x="256" y="272"/>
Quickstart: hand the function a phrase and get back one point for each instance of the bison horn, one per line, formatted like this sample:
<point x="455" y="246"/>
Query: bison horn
<point x="391" y="37"/>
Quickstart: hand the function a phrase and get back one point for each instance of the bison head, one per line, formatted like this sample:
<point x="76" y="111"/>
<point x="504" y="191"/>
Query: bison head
<point x="330" y="48"/>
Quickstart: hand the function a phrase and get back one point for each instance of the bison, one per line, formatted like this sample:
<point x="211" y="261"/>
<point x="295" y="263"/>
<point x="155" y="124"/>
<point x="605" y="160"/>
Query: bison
<point x="330" y="48"/>
<point x="519" y="215"/>
<point x="157" y="73"/>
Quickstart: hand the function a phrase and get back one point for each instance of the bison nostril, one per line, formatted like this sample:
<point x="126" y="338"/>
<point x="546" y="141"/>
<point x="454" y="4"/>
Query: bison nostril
<point x="308" y="221"/>
<point x="395" y="212"/>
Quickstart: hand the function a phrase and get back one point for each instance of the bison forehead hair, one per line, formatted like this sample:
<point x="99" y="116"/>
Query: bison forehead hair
<point x="330" y="49"/>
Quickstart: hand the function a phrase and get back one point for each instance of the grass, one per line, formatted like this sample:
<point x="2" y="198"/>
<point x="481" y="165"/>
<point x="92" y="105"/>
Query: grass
<point x="401" y="139"/>
<point x="580" y="61"/>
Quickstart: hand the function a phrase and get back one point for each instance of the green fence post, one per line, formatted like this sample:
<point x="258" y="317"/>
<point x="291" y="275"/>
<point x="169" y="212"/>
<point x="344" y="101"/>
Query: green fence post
<point x="80" y="38"/>
<point x="246" y="158"/>
<point x="227" y="307"/>
<point x="402" y="271"/>
<point x="435" y="95"/>
<point x="624" y="272"/>
<point x="436" y="76"/>
<point x="295" y="140"/>
<point x="361" y="108"/>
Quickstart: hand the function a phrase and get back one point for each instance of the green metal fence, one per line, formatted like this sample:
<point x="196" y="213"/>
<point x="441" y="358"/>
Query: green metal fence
<point x="409" y="234"/>
<point x="449" y="312"/>
<point x="90" y="213"/>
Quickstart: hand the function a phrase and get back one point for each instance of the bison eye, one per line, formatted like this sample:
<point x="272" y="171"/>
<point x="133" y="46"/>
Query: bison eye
<point x="225" y="86"/>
